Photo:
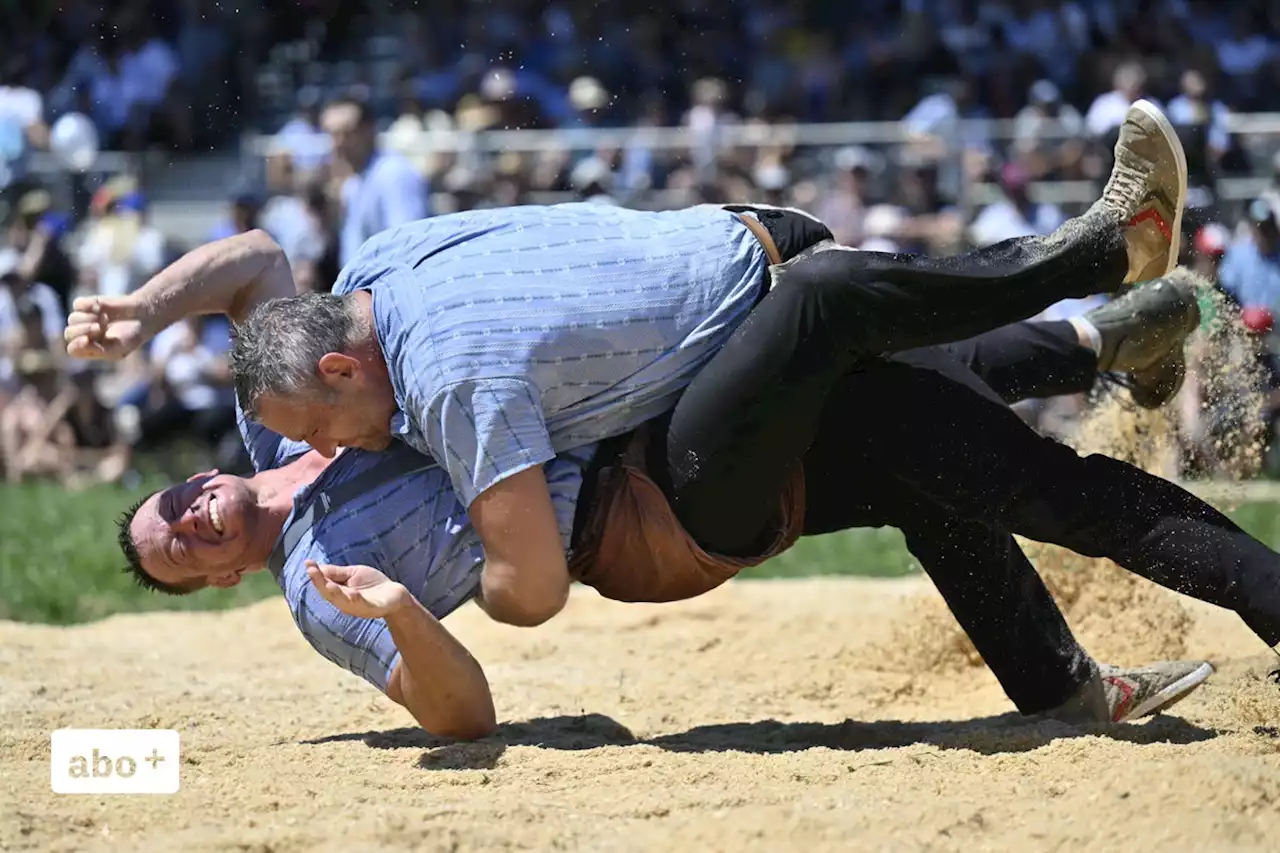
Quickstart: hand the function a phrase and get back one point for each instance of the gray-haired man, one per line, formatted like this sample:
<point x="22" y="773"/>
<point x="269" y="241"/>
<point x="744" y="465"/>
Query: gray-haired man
<point x="494" y="340"/>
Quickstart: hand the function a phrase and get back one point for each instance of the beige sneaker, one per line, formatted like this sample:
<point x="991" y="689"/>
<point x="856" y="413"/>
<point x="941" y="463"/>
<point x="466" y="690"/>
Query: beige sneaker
<point x="1147" y="190"/>
<point x="1147" y="690"/>
<point x="1118" y="695"/>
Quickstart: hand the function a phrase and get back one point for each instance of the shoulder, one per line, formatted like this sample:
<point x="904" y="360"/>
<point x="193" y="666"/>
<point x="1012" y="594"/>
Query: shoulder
<point x="394" y="167"/>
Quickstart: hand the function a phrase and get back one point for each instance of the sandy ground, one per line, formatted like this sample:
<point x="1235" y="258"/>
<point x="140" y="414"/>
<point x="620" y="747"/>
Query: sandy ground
<point x="806" y="715"/>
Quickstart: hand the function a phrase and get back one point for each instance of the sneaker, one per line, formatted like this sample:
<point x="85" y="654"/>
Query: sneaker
<point x="1147" y="190"/>
<point x="1143" y="332"/>
<point x="1118" y="695"/>
<point x="1147" y="690"/>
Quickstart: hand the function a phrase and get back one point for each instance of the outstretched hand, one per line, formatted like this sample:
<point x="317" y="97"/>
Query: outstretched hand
<point x="105" y="327"/>
<point x="360" y="591"/>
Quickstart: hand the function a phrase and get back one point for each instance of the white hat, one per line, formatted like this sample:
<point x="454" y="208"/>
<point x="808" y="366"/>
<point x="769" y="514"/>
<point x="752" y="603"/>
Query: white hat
<point x="586" y="93"/>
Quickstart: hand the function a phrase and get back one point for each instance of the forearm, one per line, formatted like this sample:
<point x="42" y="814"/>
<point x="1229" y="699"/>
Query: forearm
<point x="438" y="680"/>
<point x="230" y="276"/>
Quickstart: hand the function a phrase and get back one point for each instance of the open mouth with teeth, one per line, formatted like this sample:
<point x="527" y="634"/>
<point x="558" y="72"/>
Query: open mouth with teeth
<point x="215" y="516"/>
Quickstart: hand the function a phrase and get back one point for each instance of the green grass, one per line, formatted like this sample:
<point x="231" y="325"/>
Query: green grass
<point x="59" y="562"/>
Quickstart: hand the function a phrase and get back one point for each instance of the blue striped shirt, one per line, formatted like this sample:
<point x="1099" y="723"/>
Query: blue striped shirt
<point x="412" y="528"/>
<point x="517" y="333"/>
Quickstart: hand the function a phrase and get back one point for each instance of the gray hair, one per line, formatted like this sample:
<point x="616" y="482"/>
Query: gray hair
<point x="276" y="349"/>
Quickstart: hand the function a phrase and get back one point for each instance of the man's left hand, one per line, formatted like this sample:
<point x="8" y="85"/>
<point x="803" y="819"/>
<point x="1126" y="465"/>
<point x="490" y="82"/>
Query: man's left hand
<point x="360" y="591"/>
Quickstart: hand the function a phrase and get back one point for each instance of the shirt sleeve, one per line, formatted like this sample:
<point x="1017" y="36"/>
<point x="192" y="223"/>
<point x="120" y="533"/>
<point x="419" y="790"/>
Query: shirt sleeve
<point x="483" y="431"/>
<point x="360" y="646"/>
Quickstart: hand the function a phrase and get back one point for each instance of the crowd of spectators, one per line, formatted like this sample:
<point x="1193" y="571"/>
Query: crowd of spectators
<point x="323" y="77"/>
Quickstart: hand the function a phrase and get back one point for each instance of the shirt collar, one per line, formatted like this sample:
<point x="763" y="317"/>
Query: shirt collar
<point x="385" y="323"/>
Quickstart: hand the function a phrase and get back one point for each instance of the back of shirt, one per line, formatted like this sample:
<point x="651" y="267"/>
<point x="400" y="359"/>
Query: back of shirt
<point x="517" y="333"/>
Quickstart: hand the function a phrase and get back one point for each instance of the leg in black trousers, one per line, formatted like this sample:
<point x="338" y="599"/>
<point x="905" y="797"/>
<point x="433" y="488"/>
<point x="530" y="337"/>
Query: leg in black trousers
<point x="985" y="579"/>
<point x="948" y="437"/>
<point x="747" y="419"/>
<point x="1028" y="360"/>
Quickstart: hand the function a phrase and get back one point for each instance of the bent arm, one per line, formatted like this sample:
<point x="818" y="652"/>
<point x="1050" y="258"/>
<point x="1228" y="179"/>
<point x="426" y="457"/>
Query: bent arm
<point x="230" y="276"/>
<point x="526" y="578"/>
<point x="437" y="679"/>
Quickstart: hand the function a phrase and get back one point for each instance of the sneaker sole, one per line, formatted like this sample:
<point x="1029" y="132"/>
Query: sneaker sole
<point x="1171" y="695"/>
<point x="1180" y="162"/>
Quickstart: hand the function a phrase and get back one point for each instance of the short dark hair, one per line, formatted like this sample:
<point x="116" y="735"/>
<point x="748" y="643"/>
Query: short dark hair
<point x="134" y="561"/>
<point x="364" y="115"/>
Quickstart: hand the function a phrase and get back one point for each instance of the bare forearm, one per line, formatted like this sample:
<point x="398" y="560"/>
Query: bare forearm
<point x="440" y="683"/>
<point x="229" y="276"/>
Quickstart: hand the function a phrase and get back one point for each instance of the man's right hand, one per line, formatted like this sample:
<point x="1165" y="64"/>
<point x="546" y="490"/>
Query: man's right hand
<point x="105" y="327"/>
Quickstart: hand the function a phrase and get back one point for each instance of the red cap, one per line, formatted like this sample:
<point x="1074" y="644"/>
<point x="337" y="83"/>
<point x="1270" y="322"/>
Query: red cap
<point x="1212" y="239"/>
<point x="1257" y="319"/>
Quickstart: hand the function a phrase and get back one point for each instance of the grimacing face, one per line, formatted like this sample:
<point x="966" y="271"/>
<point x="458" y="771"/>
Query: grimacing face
<point x="355" y="413"/>
<point x="198" y="533"/>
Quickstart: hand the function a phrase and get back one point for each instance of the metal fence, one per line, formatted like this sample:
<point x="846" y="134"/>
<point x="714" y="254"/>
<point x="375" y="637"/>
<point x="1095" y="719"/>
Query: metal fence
<point x="1257" y="134"/>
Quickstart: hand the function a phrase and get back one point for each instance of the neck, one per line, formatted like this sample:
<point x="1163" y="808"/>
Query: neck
<point x="369" y="350"/>
<point x="274" y="491"/>
<point x="359" y="164"/>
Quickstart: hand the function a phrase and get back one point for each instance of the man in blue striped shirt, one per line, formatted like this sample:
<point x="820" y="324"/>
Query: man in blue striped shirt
<point x="382" y="625"/>
<point x="371" y="550"/>
<point x="494" y="339"/>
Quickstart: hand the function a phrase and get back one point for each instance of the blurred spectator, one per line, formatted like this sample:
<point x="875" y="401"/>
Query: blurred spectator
<point x="147" y="69"/>
<point x="121" y="248"/>
<point x="18" y="294"/>
<point x="191" y="391"/>
<point x="301" y="139"/>
<point x="845" y="208"/>
<point x="378" y="190"/>
<point x="1016" y="215"/>
<point x="593" y="180"/>
<point x="1108" y="110"/>
<point x="301" y="224"/>
<point x="1043" y="149"/>
<point x="34" y="440"/>
<point x="1250" y="270"/>
<point x="22" y="120"/>
<point x="37" y="232"/>
<point x="1194" y="107"/>
<point x="1210" y="244"/>
<point x="243" y="211"/>
<point x="1243" y="55"/>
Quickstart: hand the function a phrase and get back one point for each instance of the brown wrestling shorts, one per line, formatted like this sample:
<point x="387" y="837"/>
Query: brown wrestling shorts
<point x="631" y="547"/>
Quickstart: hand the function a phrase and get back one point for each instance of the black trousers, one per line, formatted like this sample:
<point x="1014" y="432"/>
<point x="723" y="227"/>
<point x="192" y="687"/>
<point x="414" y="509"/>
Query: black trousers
<point x="919" y="441"/>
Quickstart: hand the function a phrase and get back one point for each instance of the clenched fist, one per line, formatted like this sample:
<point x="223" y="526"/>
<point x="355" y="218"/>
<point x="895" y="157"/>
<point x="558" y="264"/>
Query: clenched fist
<point x="105" y="327"/>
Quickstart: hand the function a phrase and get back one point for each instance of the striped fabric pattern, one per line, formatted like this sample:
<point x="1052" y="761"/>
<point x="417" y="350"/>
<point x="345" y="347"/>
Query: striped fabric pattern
<point x="412" y="528"/>
<point x="516" y="334"/>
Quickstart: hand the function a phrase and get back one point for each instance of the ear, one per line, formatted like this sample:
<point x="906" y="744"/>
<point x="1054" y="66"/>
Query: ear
<point x="225" y="581"/>
<point x="337" y="369"/>
<point x="203" y="475"/>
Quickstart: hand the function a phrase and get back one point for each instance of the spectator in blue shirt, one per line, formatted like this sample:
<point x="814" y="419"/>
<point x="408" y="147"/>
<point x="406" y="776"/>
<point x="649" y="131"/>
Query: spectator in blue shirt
<point x="383" y="190"/>
<point x="1250" y="270"/>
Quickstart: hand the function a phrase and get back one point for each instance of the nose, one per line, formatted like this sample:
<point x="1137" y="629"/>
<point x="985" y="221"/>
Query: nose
<point x="185" y="523"/>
